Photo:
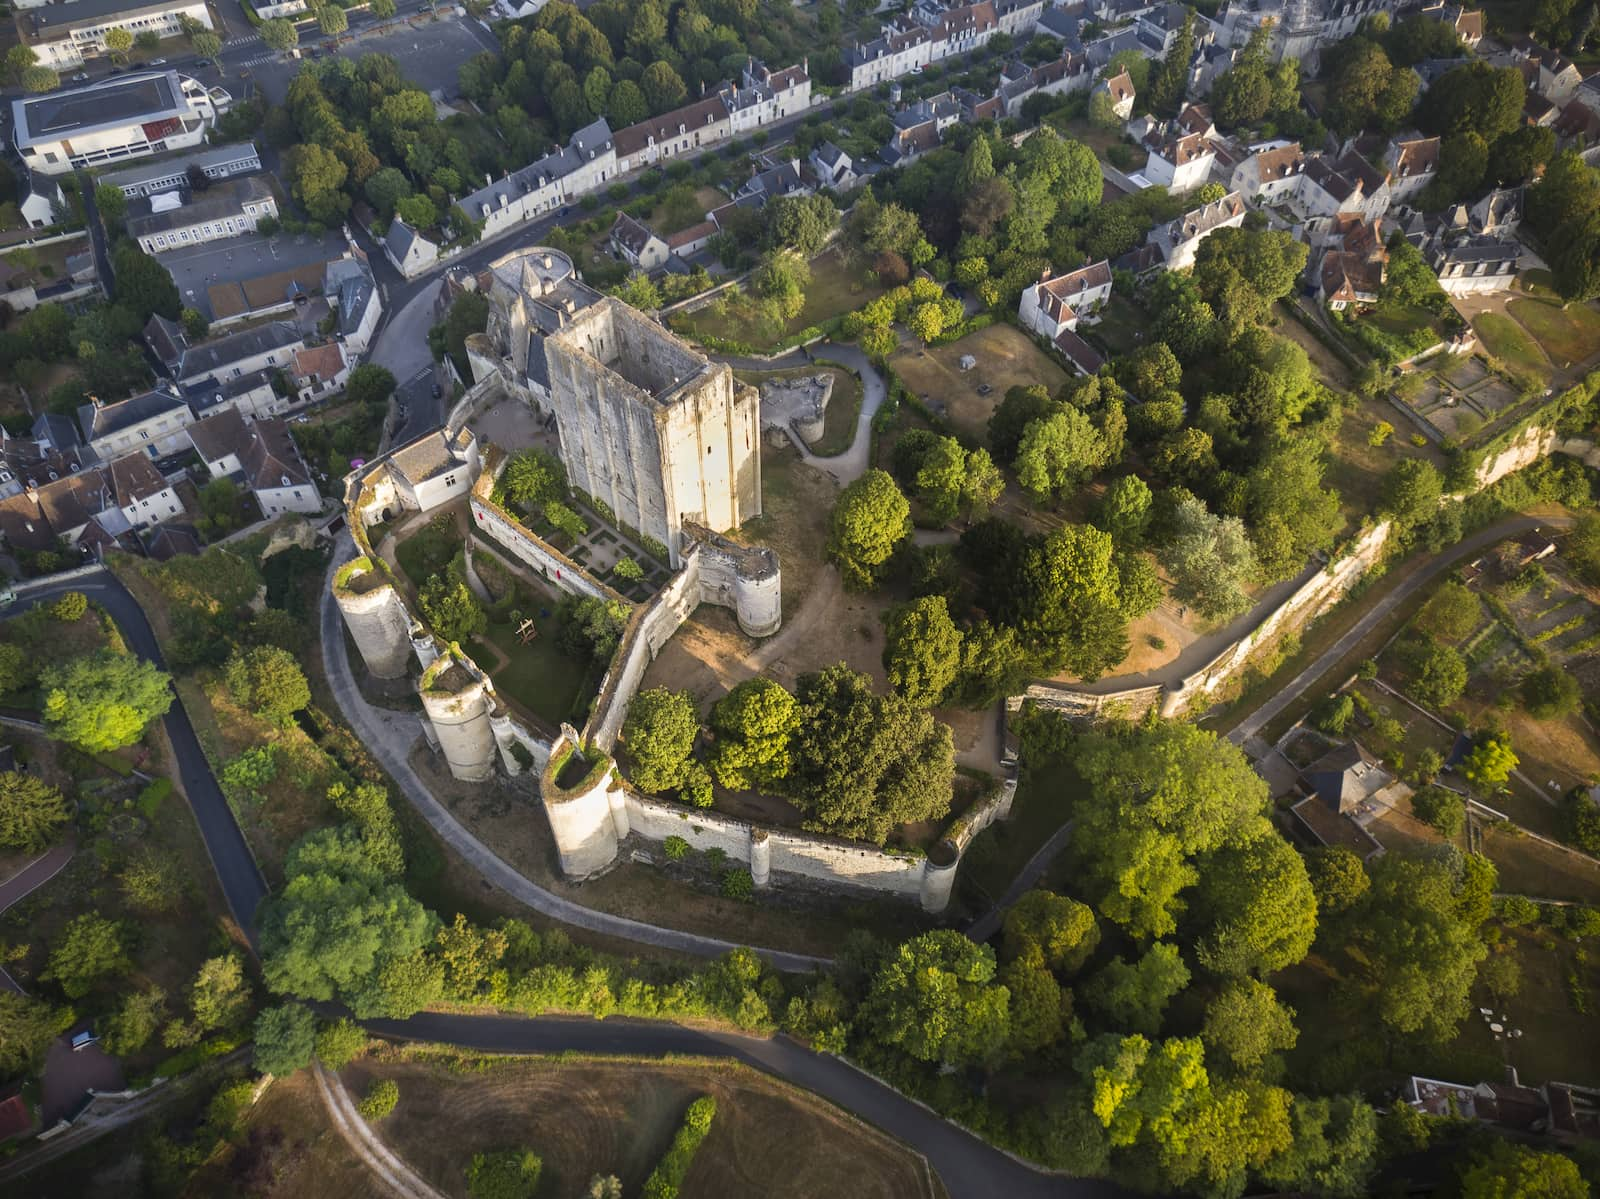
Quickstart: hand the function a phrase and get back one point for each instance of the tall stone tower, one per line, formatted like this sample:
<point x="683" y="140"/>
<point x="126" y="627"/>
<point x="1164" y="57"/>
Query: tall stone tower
<point x="376" y="618"/>
<point x="652" y="428"/>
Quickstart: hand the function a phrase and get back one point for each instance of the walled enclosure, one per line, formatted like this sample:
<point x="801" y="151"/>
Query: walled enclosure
<point x="650" y="427"/>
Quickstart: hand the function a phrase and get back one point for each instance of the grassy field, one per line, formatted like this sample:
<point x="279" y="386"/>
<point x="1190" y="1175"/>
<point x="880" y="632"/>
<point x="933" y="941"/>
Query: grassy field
<point x="681" y="206"/>
<point x="1006" y="358"/>
<point x="1043" y="803"/>
<point x="540" y="675"/>
<point x="835" y="288"/>
<point x="608" y="1116"/>
<point x="1506" y="340"/>
<point x="428" y="551"/>
<point x="796" y="502"/>
<point x="1569" y="335"/>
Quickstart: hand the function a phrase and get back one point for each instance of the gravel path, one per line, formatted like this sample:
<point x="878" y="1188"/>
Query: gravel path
<point x="358" y="1134"/>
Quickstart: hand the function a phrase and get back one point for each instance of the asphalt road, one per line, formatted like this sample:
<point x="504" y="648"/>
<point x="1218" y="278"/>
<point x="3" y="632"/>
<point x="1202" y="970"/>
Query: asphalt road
<point x="969" y="1167"/>
<point x="236" y="869"/>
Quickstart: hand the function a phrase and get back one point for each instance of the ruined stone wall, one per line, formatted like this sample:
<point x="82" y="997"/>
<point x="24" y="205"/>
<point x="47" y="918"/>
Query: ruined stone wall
<point x="1081" y="705"/>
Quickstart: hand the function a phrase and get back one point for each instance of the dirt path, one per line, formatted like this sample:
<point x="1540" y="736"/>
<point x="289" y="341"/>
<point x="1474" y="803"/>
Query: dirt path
<point x="400" y="1178"/>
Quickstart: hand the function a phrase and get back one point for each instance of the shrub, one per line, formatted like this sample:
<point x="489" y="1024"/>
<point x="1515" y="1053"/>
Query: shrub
<point x="380" y="1100"/>
<point x="1441" y="809"/>
<point x="1333" y="715"/>
<point x="1518" y="911"/>
<point x="628" y="569"/>
<point x="668" y="1175"/>
<point x="70" y="607"/>
<point x="1550" y="693"/>
<point x="506" y="1174"/>
<point x="676" y="848"/>
<point x="340" y="1043"/>
<point x="737" y="884"/>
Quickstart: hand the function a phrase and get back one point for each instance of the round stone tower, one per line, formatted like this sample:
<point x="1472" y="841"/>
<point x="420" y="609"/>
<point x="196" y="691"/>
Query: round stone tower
<point x="457" y="704"/>
<point x="576" y="788"/>
<point x="375" y="616"/>
<point x="758" y="597"/>
<point x="939" y="876"/>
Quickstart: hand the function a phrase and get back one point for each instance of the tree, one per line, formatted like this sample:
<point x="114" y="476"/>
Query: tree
<point x="382" y="9"/>
<point x="1434" y="674"/>
<point x="331" y="20"/>
<point x="16" y="668"/>
<point x="39" y="79"/>
<point x="1510" y="1171"/>
<point x="1210" y="559"/>
<point x="922" y="650"/>
<point x="1442" y="809"/>
<point x="1124" y="511"/>
<point x="864" y="763"/>
<point x="1550" y="693"/>
<point x="18" y="59"/>
<point x="935" y="999"/>
<point x="1410" y="281"/>
<point x="1170" y="79"/>
<point x="318" y="176"/>
<point x="981" y="483"/>
<point x="28" y="1026"/>
<point x="532" y="478"/>
<point x="369" y="384"/>
<point x="1133" y="997"/>
<point x="419" y="212"/>
<point x="627" y="105"/>
<point x="88" y="950"/>
<point x="870" y="518"/>
<point x="1337" y="877"/>
<point x="207" y="44"/>
<point x="1057" y="452"/>
<point x="659" y="735"/>
<point x="926" y="322"/>
<point x="1519" y="155"/>
<point x="280" y="34"/>
<point x="1019" y="409"/>
<point x="637" y="291"/>
<point x="338" y="921"/>
<point x="1417" y="955"/>
<point x="153" y="880"/>
<point x="118" y="42"/>
<point x="340" y="1043"/>
<point x="1412" y="490"/>
<point x="663" y="89"/>
<point x="1451" y="613"/>
<point x="1474" y="98"/>
<point x="136" y="1021"/>
<point x="1245" y="1024"/>
<point x="220" y="995"/>
<point x="1490" y="761"/>
<point x="1060" y="930"/>
<point x="269" y="681"/>
<point x="285" y="1038"/>
<point x="1334" y="1148"/>
<point x="385" y="188"/>
<point x="31" y="812"/>
<point x="143" y="285"/>
<point x="103" y="701"/>
<point x="111" y="203"/>
<point x="801" y="223"/>
<point x="1258" y="908"/>
<point x="755" y="724"/>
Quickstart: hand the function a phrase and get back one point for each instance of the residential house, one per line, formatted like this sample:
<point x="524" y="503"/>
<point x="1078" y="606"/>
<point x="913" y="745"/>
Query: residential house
<point x="1120" y="88"/>
<point x="976" y="108"/>
<point x="1348" y="184"/>
<point x="151" y="423"/>
<point x="901" y="47"/>
<point x="1499" y="213"/>
<point x="173" y="171"/>
<point x="1474" y="265"/>
<point x="260" y="348"/>
<point x="42" y="200"/>
<point x="687" y="242"/>
<point x="1060" y="302"/>
<point x="832" y="167"/>
<point x="1558" y="77"/>
<point x="91" y="509"/>
<point x="1350" y="278"/>
<point x="169" y="220"/>
<point x="411" y="253"/>
<point x="1578" y="124"/>
<point x="426" y="472"/>
<point x="1413" y="164"/>
<point x="764" y="95"/>
<point x="1180" y="164"/>
<point x="260" y="456"/>
<point x="1060" y="22"/>
<point x="319" y="370"/>
<point x="560" y="177"/>
<point x="771" y="178"/>
<point x="354" y="300"/>
<point x="672" y="134"/>
<point x="1342" y="788"/>
<point x="1060" y="76"/>
<point x="1164" y="22"/>
<point x="637" y="244"/>
<point x="1467" y="23"/>
<point x="1210" y="62"/>
<point x="1270" y="175"/>
<point x="1178" y="240"/>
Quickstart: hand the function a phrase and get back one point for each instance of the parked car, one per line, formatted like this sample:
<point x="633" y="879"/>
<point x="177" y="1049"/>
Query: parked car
<point x="437" y="391"/>
<point x="157" y="62"/>
<point x="80" y="76"/>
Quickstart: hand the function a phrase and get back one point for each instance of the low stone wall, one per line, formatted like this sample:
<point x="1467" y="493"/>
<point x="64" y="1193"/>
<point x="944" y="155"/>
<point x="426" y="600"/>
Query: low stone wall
<point x="1081" y="705"/>
<point x="650" y="627"/>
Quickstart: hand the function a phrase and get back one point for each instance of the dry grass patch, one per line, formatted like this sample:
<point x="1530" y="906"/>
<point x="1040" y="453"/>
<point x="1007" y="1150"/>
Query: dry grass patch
<point x="796" y="502"/>
<point x="1007" y="358"/>
<point x="591" y="1117"/>
<point x="1569" y="335"/>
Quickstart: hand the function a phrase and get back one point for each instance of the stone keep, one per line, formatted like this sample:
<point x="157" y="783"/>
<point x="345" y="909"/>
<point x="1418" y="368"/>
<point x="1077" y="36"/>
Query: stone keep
<point x="652" y="428"/>
<point x="376" y="618"/>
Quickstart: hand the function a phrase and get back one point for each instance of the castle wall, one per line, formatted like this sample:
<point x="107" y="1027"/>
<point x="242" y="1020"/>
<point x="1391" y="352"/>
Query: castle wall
<point x="459" y="713"/>
<point x="377" y="620"/>
<point x="559" y="570"/>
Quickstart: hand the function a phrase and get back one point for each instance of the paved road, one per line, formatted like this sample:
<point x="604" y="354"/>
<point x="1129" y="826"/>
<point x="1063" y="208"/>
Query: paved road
<point x="242" y="883"/>
<point x="389" y="737"/>
<point x="1423" y="572"/>
<point x="36" y="873"/>
<point x="969" y="1167"/>
<point x="1028" y="877"/>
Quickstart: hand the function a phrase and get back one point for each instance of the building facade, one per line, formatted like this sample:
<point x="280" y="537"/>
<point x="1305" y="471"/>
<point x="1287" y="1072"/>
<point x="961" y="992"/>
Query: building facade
<point x="64" y="36"/>
<point x="121" y="118"/>
<point x="170" y="220"/>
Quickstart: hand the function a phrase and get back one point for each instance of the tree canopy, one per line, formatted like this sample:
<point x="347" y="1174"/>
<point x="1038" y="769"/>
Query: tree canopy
<point x="103" y="701"/>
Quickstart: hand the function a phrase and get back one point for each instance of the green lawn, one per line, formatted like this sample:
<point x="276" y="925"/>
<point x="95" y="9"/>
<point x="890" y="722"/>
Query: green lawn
<point x="427" y="552"/>
<point x="835" y="289"/>
<point x="1569" y="335"/>
<point x="1506" y="340"/>
<point x="539" y="676"/>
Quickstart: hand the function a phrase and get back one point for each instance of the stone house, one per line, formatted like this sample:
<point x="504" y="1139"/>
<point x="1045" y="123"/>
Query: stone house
<point x="832" y="167"/>
<point x="1413" y="163"/>
<point x="1178" y="240"/>
<point x="1270" y="174"/>
<point x="42" y="200"/>
<point x="637" y="244"/>
<point x="1120" y="88"/>
<point x="1059" y="303"/>
<point x="409" y="251"/>
<point x="151" y="424"/>
<point x="170" y="220"/>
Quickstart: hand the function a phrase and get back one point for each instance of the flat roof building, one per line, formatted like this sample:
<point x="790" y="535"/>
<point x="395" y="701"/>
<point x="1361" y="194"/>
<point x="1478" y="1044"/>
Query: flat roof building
<point x="65" y="35"/>
<point x="170" y="174"/>
<point x="128" y="116"/>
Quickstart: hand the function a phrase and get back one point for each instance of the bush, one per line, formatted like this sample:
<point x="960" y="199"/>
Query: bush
<point x="676" y="848"/>
<point x="1518" y="911"/>
<point x="1580" y="821"/>
<point x="340" y="1043"/>
<point x="668" y="1175"/>
<point x="70" y="607"/>
<point x="506" y="1174"/>
<point x="1441" y="809"/>
<point x="380" y="1100"/>
<point x="737" y="884"/>
<point x="1550" y="693"/>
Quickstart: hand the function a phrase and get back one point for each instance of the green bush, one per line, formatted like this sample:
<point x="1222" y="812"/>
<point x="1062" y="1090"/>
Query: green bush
<point x="676" y="849"/>
<point x="506" y="1174"/>
<point x="380" y="1100"/>
<point x="668" y="1175"/>
<point x="153" y="796"/>
<point x="737" y="884"/>
<point x="70" y="607"/>
<point x="340" y="1043"/>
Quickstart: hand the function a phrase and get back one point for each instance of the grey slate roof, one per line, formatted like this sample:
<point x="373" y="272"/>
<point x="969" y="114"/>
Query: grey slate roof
<point x="594" y="138"/>
<point x="223" y="199"/>
<point x="101" y="420"/>
<point x="235" y="347"/>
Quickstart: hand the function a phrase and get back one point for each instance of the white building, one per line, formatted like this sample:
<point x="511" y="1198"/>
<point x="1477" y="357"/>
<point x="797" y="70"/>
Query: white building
<point x="1180" y="164"/>
<point x="170" y="174"/>
<point x="260" y="456"/>
<point x="833" y="167"/>
<point x="1474" y="265"/>
<point x="42" y="200"/>
<point x="64" y="35"/>
<point x="126" y="116"/>
<point x="764" y="96"/>
<point x="353" y="296"/>
<point x="898" y="50"/>
<point x="170" y="220"/>
<point x="1413" y="163"/>
<point x="1344" y="186"/>
<point x="1270" y="175"/>
<point x="319" y="370"/>
<point x="558" y="178"/>
<point x="408" y="250"/>
<point x="267" y="347"/>
<point x="1060" y="303"/>
<point x="1178" y="240"/>
<point x="152" y="423"/>
<point x="1120" y="88"/>
<point x="637" y="244"/>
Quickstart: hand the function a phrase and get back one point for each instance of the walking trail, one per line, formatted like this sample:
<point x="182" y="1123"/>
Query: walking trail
<point x="358" y="1134"/>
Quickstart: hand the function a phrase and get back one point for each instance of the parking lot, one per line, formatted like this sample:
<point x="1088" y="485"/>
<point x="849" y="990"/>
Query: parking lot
<point x="429" y="55"/>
